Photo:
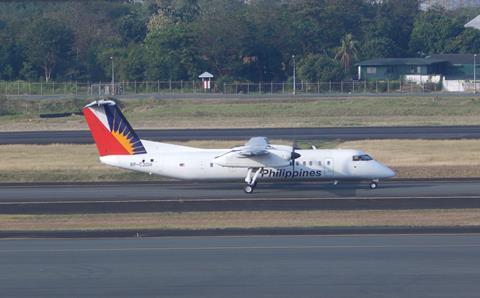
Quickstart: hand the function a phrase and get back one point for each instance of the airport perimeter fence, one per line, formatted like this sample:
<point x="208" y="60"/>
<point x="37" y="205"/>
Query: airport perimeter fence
<point x="128" y="88"/>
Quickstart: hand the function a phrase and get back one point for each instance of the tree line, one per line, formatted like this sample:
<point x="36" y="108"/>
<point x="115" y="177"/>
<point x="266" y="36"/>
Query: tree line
<point x="236" y="40"/>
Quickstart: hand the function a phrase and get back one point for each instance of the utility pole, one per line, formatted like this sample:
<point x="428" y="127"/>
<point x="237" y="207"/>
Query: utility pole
<point x="294" y="76"/>
<point x="113" y="77"/>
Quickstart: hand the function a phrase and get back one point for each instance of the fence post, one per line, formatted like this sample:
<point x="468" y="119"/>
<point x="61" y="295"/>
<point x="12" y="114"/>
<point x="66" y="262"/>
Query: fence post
<point x="365" y="87"/>
<point x="181" y="86"/>
<point x="259" y="87"/>
<point x="388" y="86"/>
<point x="248" y="88"/>
<point x="224" y="87"/>
<point x="170" y="85"/>
<point x="135" y="86"/>
<point x="376" y="86"/>
<point x="283" y="88"/>
<point x="76" y="88"/>
<point x="53" y="90"/>
<point x="353" y="86"/>
<point x="236" y="87"/>
<point x="18" y="87"/>
<point x="41" y="89"/>
<point x="330" y="87"/>
<point x="341" y="86"/>
<point x="30" y="88"/>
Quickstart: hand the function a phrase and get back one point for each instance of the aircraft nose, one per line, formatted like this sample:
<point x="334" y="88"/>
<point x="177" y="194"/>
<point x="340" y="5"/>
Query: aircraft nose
<point x="388" y="173"/>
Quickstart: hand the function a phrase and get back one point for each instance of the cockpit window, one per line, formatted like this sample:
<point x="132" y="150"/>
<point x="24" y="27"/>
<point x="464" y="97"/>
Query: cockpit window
<point x="364" y="157"/>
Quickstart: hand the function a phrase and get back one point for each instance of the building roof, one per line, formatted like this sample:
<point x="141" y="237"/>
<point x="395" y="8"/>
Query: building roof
<point x="205" y="75"/>
<point x="475" y="23"/>
<point x="455" y="58"/>
<point x="400" y="61"/>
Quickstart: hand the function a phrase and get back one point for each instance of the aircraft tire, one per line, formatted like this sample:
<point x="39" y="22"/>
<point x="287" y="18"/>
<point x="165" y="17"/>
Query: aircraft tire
<point x="373" y="185"/>
<point x="248" y="189"/>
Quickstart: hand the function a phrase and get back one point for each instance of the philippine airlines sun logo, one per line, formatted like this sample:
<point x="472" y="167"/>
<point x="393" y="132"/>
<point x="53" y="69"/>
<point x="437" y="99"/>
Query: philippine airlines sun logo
<point x="122" y="131"/>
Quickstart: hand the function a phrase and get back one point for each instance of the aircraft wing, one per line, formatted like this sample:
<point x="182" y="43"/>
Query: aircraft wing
<point x="256" y="153"/>
<point x="255" y="147"/>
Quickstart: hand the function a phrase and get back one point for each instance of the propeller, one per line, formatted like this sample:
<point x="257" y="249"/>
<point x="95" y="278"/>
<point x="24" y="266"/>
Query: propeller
<point x="294" y="155"/>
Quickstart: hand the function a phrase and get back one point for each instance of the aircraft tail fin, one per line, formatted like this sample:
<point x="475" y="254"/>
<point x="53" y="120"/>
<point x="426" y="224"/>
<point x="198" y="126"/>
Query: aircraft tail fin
<point x="110" y="130"/>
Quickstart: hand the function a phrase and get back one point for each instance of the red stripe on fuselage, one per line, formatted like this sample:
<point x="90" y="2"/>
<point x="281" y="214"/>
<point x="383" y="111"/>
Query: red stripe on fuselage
<point x="106" y="143"/>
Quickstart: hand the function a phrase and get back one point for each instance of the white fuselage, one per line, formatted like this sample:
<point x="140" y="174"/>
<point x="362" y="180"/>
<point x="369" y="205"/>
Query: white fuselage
<point x="186" y="163"/>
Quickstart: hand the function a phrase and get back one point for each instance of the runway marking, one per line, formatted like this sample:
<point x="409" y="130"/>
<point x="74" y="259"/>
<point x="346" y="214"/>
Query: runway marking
<point x="306" y="247"/>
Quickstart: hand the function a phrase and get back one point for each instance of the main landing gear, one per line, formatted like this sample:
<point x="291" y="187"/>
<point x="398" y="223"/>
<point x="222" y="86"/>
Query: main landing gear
<point x="251" y="181"/>
<point x="373" y="184"/>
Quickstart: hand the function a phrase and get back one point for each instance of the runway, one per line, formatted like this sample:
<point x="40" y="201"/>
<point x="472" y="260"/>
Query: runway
<point x="295" y="266"/>
<point x="333" y="133"/>
<point x="226" y="196"/>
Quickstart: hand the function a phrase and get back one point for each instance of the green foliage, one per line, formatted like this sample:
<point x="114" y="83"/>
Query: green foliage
<point x="48" y="45"/>
<point x="315" y="68"/>
<point x="433" y="31"/>
<point x="347" y="53"/>
<point x="170" y="54"/>
<point x="242" y="40"/>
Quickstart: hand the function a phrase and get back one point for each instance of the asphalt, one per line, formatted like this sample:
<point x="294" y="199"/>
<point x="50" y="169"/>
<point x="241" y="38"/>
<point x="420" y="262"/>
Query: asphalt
<point x="295" y="266"/>
<point x="227" y="196"/>
<point x="333" y="133"/>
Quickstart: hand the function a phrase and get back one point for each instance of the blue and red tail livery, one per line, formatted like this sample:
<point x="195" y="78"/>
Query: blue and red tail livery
<point x="112" y="133"/>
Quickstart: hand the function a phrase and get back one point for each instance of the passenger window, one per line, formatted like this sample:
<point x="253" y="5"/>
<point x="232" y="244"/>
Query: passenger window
<point x="211" y="164"/>
<point x="304" y="163"/>
<point x="310" y="163"/>
<point x="297" y="163"/>
<point x="151" y="160"/>
<point x="319" y="163"/>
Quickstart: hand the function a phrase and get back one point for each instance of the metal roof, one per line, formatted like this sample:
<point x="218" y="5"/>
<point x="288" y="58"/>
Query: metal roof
<point x="455" y="58"/>
<point x="205" y="75"/>
<point x="400" y="61"/>
<point x="475" y="23"/>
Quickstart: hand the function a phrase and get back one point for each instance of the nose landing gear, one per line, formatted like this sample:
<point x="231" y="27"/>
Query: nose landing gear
<point x="373" y="184"/>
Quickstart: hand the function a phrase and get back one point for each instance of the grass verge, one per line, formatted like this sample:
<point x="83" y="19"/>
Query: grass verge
<point x="235" y="113"/>
<point x="243" y="220"/>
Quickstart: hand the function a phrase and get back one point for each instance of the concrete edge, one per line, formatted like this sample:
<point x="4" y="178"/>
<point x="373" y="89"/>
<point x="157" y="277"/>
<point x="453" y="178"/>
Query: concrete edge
<point x="378" y="230"/>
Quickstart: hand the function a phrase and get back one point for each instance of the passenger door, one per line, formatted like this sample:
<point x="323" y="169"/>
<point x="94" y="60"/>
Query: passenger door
<point x="328" y="169"/>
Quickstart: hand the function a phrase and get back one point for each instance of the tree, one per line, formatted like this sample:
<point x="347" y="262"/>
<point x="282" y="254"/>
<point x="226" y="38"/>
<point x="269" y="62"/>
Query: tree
<point x="347" y="52"/>
<point x="171" y="53"/>
<point x="48" y="45"/>
<point x="321" y="68"/>
<point x="380" y="47"/>
<point x="433" y="31"/>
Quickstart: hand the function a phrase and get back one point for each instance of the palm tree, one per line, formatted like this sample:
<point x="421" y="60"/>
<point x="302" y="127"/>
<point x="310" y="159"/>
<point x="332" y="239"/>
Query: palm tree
<point x="347" y="52"/>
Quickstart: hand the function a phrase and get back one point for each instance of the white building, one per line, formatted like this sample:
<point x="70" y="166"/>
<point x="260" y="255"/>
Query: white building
<point x="450" y="4"/>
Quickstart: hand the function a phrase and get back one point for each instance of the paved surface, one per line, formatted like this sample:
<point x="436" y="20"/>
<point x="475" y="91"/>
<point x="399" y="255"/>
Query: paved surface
<point x="301" y="266"/>
<point x="221" y="196"/>
<point x="342" y="133"/>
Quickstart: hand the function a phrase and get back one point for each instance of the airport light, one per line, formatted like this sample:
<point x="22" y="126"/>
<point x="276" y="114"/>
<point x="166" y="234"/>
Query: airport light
<point x="294" y="76"/>
<point x="113" y="76"/>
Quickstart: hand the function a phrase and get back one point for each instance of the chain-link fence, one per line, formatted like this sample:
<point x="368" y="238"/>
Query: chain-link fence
<point x="21" y="88"/>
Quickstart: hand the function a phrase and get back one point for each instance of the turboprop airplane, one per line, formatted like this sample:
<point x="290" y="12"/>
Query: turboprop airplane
<point x="119" y="146"/>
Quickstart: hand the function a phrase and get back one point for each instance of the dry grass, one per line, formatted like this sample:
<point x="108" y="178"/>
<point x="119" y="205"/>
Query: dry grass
<point x="410" y="158"/>
<point x="223" y="220"/>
